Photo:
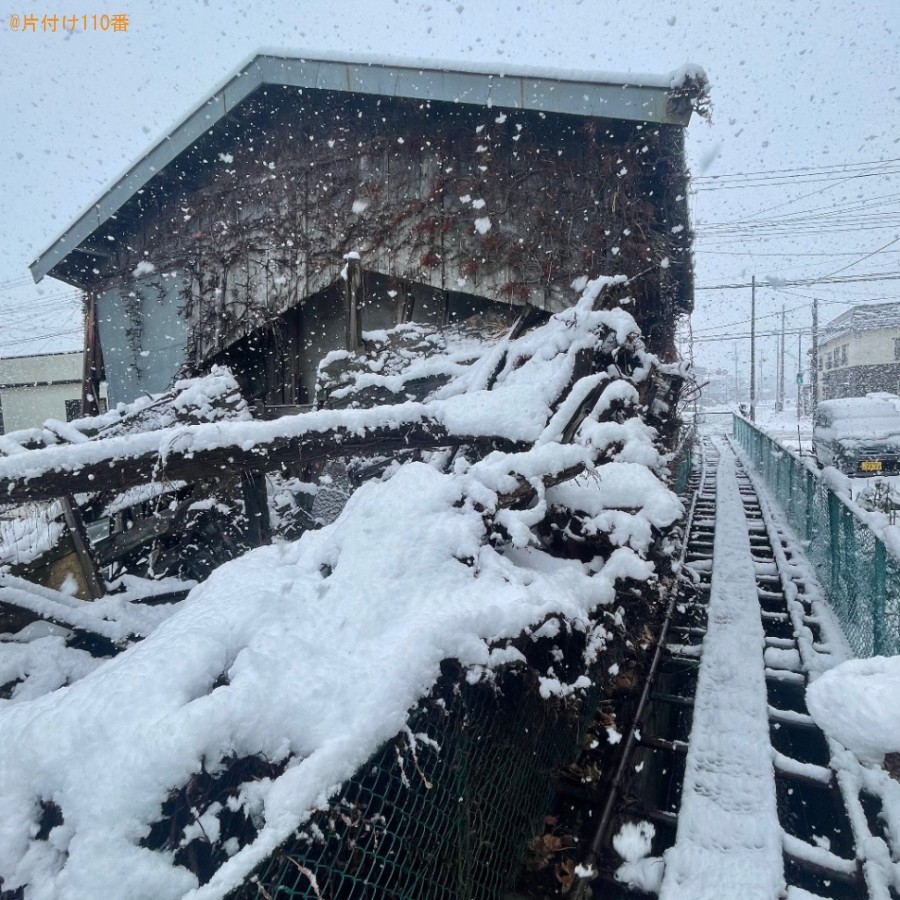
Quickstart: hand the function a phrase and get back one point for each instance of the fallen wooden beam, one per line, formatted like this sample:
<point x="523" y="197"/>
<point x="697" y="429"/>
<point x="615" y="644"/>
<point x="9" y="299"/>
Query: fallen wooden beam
<point x="210" y="451"/>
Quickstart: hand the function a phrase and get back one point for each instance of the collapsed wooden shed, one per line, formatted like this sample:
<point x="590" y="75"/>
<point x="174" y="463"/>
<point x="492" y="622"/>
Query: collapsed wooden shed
<point x="306" y="207"/>
<point x="458" y="189"/>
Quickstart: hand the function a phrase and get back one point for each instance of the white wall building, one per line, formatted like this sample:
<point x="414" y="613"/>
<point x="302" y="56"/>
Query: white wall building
<point x="36" y="388"/>
<point x="859" y="352"/>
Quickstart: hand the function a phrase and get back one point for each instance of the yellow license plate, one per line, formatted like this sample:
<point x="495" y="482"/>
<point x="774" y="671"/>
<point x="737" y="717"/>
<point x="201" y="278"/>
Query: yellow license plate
<point x="870" y="465"/>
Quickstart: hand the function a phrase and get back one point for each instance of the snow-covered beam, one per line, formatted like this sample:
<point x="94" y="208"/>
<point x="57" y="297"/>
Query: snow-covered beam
<point x="219" y="450"/>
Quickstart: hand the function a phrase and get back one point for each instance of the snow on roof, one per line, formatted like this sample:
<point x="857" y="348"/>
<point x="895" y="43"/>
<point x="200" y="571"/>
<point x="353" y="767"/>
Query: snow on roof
<point x="871" y="418"/>
<point x="644" y="98"/>
<point x="312" y="653"/>
<point x="870" y="317"/>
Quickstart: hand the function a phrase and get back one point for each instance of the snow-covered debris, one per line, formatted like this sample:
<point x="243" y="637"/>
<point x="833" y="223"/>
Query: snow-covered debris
<point x="212" y="398"/>
<point x="302" y="658"/>
<point x="28" y="531"/>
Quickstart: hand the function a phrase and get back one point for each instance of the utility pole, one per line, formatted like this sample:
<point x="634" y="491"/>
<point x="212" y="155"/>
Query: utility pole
<point x="779" y="389"/>
<point x="799" y="371"/>
<point x="737" y="387"/>
<point x="753" y="349"/>
<point x="761" y="376"/>
<point x="814" y="363"/>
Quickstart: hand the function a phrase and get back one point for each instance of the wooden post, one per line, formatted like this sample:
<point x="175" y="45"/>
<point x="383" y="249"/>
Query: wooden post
<point x="354" y="298"/>
<point x="93" y="361"/>
<point x="81" y="541"/>
<point x="256" y="508"/>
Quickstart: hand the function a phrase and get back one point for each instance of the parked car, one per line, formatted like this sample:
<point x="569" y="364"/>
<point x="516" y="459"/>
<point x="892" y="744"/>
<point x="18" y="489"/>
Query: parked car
<point x="860" y="436"/>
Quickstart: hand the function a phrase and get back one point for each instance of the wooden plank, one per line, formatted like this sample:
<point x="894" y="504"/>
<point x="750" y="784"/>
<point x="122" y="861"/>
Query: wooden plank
<point x="118" y="545"/>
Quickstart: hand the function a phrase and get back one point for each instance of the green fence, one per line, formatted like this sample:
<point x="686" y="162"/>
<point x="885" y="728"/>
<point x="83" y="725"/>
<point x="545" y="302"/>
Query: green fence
<point x="861" y="578"/>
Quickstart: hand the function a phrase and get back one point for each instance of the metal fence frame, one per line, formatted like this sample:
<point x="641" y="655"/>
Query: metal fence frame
<point x="860" y="576"/>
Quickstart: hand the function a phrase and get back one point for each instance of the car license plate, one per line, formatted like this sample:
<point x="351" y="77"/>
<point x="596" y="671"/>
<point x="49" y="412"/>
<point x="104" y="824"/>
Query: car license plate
<point x="870" y="465"/>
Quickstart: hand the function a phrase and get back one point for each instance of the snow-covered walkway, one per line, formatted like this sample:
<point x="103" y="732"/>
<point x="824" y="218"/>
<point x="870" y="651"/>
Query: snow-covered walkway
<point x="729" y="841"/>
<point x="790" y="786"/>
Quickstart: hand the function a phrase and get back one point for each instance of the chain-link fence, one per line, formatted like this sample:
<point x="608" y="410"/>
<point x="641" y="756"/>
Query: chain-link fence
<point x="446" y="810"/>
<point x="860" y="576"/>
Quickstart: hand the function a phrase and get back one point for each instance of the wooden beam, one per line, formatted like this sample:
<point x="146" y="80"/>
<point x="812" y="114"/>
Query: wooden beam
<point x="111" y="548"/>
<point x="81" y="541"/>
<point x="113" y="471"/>
<point x="354" y="298"/>
<point x="93" y="361"/>
<point x="256" y="508"/>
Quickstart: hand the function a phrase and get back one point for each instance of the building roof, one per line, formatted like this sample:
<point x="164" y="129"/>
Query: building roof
<point x="668" y="99"/>
<point x="871" y="317"/>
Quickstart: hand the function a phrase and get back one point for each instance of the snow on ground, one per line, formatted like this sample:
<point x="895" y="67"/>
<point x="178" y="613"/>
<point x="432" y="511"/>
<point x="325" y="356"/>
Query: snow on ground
<point x="312" y="653"/>
<point x="729" y="839"/>
<point x="786" y="427"/>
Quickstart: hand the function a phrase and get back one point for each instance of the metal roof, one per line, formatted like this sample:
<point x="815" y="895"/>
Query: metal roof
<point x="643" y="98"/>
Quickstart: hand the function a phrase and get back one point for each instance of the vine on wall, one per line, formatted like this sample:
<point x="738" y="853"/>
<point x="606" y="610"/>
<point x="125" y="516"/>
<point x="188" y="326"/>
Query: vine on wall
<point x="515" y="206"/>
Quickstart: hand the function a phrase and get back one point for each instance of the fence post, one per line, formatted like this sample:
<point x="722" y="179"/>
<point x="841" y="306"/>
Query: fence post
<point x="810" y="498"/>
<point x="880" y="640"/>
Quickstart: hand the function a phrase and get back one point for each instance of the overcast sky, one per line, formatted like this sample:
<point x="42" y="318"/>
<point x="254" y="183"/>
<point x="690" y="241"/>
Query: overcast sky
<point x="807" y="94"/>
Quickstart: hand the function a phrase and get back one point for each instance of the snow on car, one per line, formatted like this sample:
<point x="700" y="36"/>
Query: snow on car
<point x="860" y="436"/>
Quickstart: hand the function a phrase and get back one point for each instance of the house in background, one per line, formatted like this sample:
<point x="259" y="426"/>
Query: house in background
<point x="35" y="388"/>
<point x="859" y="352"/>
<point x="461" y="192"/>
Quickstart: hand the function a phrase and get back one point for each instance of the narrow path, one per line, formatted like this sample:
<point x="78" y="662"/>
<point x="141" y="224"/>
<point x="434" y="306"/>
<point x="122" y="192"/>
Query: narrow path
<point x="728" y="842"/>
<point x="758" y="811"/>
<point x="728" y="788"/>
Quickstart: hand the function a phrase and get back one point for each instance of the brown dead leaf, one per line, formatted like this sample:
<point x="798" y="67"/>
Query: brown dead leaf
<point x="565" y="874"/>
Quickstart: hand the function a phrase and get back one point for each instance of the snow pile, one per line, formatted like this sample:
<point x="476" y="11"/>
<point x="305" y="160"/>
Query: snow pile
<point x="309" y="655"/>
<point x="857" y="704"/>
<point x="640" y="871"/>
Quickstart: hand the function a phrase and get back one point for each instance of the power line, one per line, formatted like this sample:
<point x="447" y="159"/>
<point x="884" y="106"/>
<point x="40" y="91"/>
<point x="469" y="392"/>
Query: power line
<point x="745" y="335"/>
<point x="867" y="256"/>
<point x="753" y="253"/>
<point x="805" y="282"/>
<point x="779" y="182"/>
<point x="838" y="167"/>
